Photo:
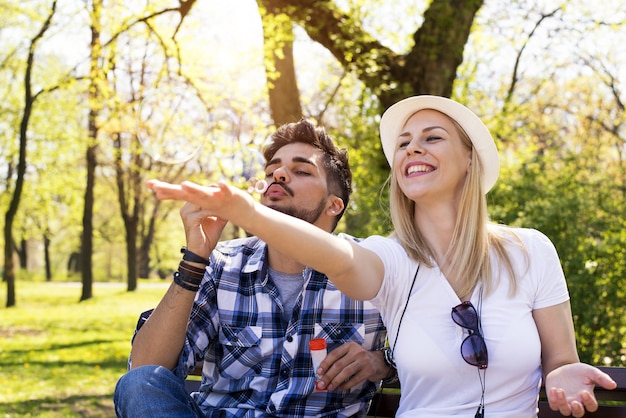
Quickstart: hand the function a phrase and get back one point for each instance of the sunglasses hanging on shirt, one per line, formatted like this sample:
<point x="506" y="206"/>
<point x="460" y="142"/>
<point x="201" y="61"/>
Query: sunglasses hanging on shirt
<point x="473" y="347"/>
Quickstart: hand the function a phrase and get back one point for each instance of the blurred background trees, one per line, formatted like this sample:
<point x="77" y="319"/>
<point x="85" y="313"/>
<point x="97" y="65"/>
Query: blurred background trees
<point x="544" y="75"/>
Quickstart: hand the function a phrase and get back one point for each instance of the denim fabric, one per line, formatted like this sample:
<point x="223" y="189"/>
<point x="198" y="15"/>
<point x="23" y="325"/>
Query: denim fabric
<point x="152" y="392"/>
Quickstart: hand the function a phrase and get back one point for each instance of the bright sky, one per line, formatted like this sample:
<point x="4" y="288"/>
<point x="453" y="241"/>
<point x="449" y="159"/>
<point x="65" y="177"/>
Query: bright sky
<point x="234" y="23"/>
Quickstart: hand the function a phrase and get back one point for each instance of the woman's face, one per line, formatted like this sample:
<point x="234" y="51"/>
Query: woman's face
<point x="430" y="161"/>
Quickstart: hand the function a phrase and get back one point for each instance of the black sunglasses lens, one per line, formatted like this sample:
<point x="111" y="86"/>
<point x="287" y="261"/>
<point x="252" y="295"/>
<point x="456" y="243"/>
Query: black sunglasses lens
<point x="474" y="351"/>
<point x="465" y="315"/>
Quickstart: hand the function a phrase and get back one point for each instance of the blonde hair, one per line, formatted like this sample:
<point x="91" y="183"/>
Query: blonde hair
<point x="474" y="235"/>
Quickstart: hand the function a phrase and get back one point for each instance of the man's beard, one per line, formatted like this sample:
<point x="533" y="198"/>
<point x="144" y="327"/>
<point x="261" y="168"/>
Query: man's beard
<point x="309" y="216"/>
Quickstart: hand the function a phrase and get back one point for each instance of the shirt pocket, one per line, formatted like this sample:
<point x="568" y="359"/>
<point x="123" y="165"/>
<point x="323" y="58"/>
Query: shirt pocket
<point x="338" y="333"/>
<point x="242" y="351"/>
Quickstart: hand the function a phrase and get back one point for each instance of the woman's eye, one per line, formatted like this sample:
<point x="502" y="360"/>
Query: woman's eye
<point x="404" y="144"/>
<point x="433" y="138"/>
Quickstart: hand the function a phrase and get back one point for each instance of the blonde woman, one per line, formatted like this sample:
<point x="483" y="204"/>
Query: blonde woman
<point x="477" y="314"/>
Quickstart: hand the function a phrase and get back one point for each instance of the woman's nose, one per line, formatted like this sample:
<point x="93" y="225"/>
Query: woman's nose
<point x="414" y="147"/>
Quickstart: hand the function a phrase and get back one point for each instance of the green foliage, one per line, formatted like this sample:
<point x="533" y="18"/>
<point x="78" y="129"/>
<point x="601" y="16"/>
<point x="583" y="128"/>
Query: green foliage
<point x="63" y="358"/>
<point x="357" y="131"/>
<point x="551" y="200"/>
<point x="349" y="112"/>
<point x="550" y="182"/>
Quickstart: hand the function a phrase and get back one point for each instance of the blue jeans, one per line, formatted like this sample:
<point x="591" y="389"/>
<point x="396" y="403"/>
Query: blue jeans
<point x="153" y="391"/>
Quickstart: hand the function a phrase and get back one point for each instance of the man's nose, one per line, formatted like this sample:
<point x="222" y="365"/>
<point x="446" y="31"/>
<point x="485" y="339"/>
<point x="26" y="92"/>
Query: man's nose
<point x="280" y="174"/>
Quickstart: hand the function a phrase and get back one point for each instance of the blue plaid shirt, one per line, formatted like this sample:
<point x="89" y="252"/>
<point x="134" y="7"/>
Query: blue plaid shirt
<point x="254" y="363"/>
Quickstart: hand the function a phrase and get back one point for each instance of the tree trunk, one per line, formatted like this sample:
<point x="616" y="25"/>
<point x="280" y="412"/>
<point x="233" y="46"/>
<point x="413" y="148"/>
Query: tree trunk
<point x="428" y="68"/>
<point x="86" y="249"/>
<point x="147" y="237"/>
<point x="8" y="273"/>
<point x="46" y="256"/>
<point x="131" y="256"/>
<point x="129" y="183"/>
<point x="29" y="100"/>
<point x="22" y="253"/>
<point x="284" y="95"/>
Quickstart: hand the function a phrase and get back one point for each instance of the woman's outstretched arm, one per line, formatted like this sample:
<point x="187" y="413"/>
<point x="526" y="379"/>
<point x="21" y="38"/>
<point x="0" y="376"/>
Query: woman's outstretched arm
<point x="356" y="271"/>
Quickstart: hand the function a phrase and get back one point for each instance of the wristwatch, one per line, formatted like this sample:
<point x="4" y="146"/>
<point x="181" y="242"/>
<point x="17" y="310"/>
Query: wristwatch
<point x="388" y="358"/>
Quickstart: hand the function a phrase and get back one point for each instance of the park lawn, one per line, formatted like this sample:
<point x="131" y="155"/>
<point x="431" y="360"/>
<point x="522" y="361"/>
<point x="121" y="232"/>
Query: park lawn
<point x="62" y="358"/>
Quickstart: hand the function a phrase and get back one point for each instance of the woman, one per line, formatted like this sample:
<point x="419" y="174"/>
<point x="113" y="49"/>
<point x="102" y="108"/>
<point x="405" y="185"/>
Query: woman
<point x="476" y="313"/>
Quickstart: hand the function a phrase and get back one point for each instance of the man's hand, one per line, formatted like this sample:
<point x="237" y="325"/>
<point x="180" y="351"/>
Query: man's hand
<point x="201" y="230"/>
<point x="349" y="365"/>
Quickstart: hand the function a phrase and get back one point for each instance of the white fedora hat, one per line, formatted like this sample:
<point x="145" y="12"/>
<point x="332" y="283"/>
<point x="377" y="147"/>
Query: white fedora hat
<point x="395" y="117"/>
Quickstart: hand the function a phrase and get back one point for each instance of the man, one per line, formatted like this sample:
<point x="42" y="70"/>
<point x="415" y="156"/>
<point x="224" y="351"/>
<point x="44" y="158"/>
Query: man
<point x="247" y="312"/>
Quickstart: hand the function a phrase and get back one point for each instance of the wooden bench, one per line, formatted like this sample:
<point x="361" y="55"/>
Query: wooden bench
<point x="612" y="402"/>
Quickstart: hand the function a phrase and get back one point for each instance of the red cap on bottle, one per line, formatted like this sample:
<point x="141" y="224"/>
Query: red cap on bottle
<point x="317" y="344"/>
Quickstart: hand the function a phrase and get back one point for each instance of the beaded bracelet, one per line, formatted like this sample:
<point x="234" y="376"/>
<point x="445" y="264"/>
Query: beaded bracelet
<point x="185" y="284"/>
<point x="191" y="256"/>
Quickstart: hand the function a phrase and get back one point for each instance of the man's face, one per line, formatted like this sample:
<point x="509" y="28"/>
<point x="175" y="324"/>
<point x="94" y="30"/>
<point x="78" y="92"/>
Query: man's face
<point x="297" y="182"/>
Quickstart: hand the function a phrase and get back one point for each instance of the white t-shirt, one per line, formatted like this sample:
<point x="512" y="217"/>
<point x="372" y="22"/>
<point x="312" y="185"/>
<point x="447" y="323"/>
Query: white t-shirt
<point x="435" y="380"/>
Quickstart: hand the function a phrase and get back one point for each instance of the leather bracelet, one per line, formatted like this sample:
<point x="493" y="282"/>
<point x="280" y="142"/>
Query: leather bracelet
<point x="189" y="280"/>
<point x="190" y="271"/>
<point x="184" y="284"/>
<point x="193" y="257"/>
<point x="191" y="267"/>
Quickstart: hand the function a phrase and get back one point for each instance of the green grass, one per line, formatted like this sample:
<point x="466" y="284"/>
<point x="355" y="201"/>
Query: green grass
<point x="62" y="358"/>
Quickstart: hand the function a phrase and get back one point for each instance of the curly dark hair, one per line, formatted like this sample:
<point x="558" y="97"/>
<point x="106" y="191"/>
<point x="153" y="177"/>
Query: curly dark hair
<point x="335" y="160"/>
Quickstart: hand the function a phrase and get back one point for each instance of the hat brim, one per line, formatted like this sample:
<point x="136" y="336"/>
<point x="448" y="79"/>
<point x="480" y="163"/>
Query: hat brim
<point x="395" y="117"/>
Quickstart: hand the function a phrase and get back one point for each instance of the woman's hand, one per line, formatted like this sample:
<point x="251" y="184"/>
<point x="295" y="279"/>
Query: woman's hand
<point x="221" y="200"/>
<point x="570" y="388"/>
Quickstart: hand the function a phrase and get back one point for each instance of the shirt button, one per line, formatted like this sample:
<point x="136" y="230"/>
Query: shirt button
<point x="289" y="338"/>
<point x="284" y="373"/>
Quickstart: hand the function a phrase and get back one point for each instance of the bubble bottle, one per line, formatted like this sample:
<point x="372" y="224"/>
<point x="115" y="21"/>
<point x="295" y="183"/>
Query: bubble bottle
<point x="318" y="353"/>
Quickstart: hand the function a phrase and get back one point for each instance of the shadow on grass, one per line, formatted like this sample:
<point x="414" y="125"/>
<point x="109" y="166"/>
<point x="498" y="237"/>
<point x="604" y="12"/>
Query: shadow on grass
<point x="113" y="364"/>
<point x="73" y="406"/>
<point x="64" y="346"/>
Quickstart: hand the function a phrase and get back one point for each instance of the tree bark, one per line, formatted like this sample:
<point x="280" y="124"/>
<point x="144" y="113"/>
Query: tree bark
<point x="428" y="68"/>
<point x="46" y="257"/>
<point x="86" y="249"/>
<point x="129" y="184"/>
<point x="282" y="86"/>
<point x="147" y="237"/>
<point x="22" y="252"/>
<point x="29" y="101"/>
